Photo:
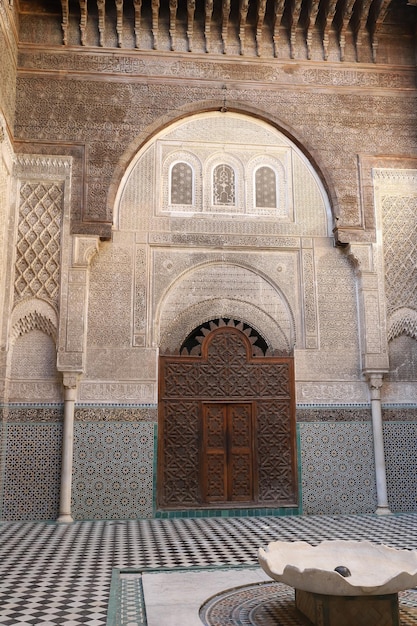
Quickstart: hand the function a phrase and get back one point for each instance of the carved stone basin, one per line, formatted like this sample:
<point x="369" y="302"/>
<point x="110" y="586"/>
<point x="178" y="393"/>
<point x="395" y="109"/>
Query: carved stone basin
<point x="365" y="593"/>
<point x="375" y="569"/>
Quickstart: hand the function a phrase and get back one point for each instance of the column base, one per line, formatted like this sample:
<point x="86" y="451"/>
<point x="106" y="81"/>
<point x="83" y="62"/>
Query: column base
<point x="65" y="519"/>
<point x="383" y="510"/>
<point x="324" y="610"/>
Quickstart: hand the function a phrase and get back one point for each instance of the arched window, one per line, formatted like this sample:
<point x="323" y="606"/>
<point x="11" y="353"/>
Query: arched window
<point x="265" y="188"/>
<point x="224" y="192"/>
<point x="181" y="184"/>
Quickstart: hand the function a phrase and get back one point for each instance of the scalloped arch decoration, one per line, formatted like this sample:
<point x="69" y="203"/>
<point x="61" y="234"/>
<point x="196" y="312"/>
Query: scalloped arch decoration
<point x="402" y="322"/>
<point x="34" y="314"/>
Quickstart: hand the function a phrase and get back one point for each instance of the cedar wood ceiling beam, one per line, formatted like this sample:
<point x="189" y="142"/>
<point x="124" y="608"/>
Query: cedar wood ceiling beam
<point x="379" y="17"/>
<point x="64" y="21"/>
<point x="361" y="24"/>
<point x="119" y="22"/>
<point x="278" y="13"/>
<point x="330" y="13"/>
<point x="155" y="23"/>
<point x="358" y="15"/>
<point x="101" y="7"/>
<point x="243" y="13"/>
<point x="225" y="23"/>
<point x="137" y="4"/>
<point x="83" y="22"/>
<point x="173" y="7"/>
<point x="190" y="23"/>
<point x="208" y="12"/>
<point x="259" y="25"/>
<point x="294" y="17"/>
<point x="313" y="9"/>
<point x="345" y="21"/>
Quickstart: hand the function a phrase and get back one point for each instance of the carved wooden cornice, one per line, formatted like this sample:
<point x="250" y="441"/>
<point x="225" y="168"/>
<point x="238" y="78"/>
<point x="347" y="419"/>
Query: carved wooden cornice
<point x="274" y="21"/>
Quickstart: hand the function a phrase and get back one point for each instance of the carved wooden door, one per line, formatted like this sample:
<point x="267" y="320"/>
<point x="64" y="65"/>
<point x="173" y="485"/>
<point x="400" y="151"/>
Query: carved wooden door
<point x="226" y="429"/>
<point x="227" y="452"/>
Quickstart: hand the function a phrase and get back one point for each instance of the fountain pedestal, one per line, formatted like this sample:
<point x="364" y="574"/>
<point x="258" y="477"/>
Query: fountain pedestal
<point x="328" y="610"/>
<point x="343" y="583"/>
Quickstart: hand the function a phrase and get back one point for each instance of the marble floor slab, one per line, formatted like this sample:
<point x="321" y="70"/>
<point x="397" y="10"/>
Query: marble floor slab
<point x="56" y="574"/>
<point x="175" y="598"/>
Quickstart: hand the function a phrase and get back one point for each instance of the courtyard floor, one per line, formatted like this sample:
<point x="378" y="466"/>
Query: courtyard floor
<point x="54" y="574"/>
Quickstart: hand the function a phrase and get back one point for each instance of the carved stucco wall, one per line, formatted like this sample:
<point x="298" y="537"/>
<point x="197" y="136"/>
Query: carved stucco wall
<point x="6" y="166"/>
<point x="162" y="275"/>
<point x="35" y="255"/>
<point x="334" y="114"/>
<point x="396" y="204"/>
<point x="8" y="55"/>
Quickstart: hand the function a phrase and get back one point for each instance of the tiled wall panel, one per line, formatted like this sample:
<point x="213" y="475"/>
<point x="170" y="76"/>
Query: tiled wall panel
<point x="338" y="471"/>
<point x="31" y="471"/>
<point x="400" y="443"/>
<point x="113" y="470"/>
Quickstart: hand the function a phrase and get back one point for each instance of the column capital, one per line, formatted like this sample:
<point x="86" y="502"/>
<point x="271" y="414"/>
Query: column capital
<point x="70" y="380"/>
<point x="375" y="381"/>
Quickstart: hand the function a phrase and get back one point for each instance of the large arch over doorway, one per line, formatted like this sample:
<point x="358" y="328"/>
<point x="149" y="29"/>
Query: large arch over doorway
<point x="227" y="435"/>
<point x="249" y="254"/>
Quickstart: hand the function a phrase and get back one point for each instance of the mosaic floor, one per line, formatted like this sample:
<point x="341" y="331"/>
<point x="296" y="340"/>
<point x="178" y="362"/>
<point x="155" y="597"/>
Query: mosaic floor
<point x="54" y="574"/>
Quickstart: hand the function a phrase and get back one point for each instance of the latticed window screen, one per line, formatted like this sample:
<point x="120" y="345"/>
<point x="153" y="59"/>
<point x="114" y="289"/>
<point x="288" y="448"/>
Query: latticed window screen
<point x="224" y="192"/>
<point x="266" y="187"/>
<point x="181" y="184"/>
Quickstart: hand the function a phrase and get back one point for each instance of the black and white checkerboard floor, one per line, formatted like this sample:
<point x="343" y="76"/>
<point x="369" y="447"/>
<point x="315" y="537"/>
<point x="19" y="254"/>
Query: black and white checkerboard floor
<point x="54" y="574"/>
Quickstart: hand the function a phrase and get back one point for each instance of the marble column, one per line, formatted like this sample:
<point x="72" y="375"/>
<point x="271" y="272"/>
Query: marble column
<point x="70" y="381"/>
<point x="375" y="384"/>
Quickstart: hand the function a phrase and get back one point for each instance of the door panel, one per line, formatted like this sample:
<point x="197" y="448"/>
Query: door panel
<point x="227" y="457"/>
<point x="240" y="471"/>
<point x="214" y="453"/>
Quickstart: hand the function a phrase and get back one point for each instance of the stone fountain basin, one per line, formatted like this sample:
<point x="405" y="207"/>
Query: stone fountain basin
<point x="375" y="569"/>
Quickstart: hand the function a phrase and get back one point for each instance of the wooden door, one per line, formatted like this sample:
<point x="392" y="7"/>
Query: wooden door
<point x="227" y="464"/>
<point x="227" y="426"/>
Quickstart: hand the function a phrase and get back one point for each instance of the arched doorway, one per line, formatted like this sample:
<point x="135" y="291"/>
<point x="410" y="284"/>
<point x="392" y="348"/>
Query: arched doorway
<point x="226" y="422"/>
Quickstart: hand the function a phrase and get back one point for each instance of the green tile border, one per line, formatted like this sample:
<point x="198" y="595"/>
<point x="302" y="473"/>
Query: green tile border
<point x="113" y="610"/>
<point x="207" y="513"/>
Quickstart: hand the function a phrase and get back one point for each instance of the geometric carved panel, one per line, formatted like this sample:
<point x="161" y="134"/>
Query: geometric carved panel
<point x="250" y="392"/>
<point x="400" y="249"/>
<point x="38" y="241"/>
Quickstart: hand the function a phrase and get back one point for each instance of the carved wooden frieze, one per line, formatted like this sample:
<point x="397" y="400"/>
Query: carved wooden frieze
<point x="147" y="64"/>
